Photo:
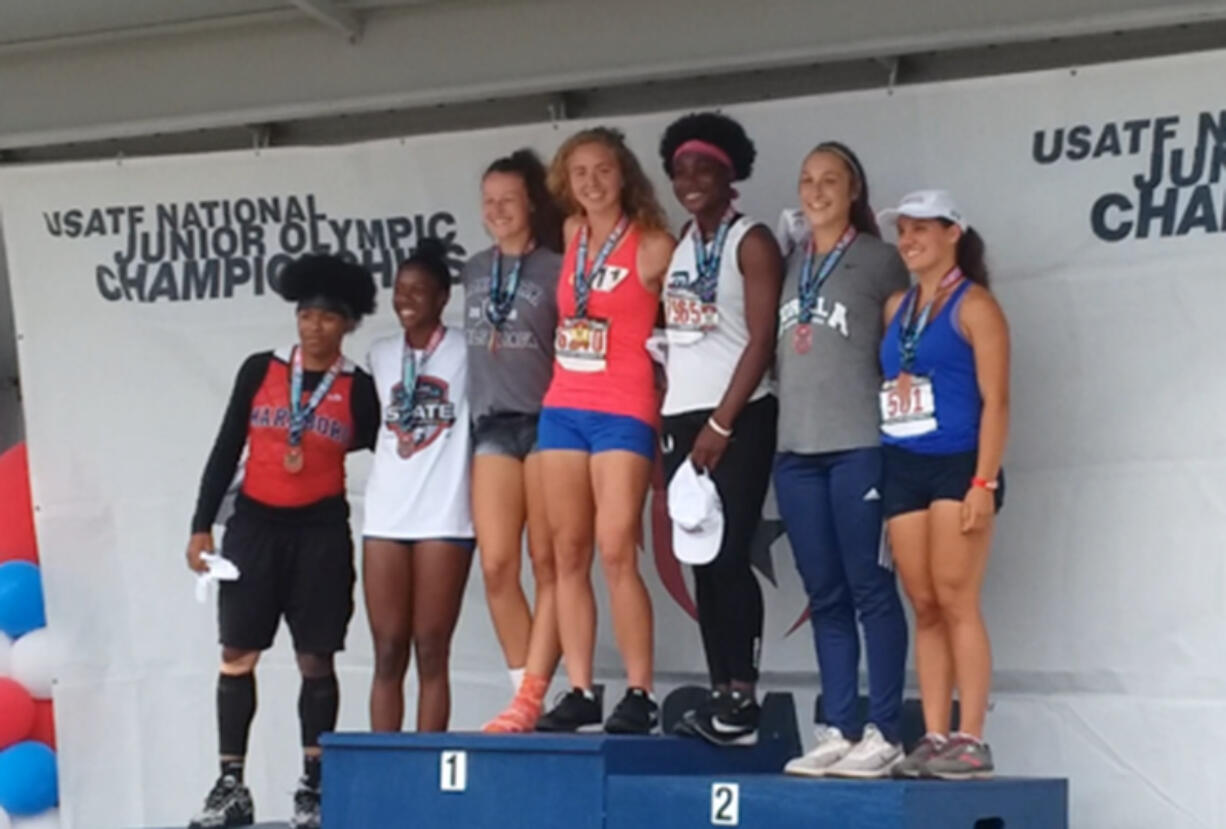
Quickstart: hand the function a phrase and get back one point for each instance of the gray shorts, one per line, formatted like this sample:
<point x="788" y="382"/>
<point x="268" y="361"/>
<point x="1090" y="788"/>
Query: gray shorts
<point x="505" y="433"/>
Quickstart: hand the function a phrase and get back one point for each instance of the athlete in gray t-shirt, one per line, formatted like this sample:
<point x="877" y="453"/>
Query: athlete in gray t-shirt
<point x="514" y="376"/>
<point x="828" y="395"/>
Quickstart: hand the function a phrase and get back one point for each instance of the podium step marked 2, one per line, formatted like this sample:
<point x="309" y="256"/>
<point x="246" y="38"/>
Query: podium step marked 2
<point x="777" y="801"/>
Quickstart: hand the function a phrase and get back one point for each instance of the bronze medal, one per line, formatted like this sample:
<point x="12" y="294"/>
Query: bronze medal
<point x="294" y="460"/>
<point x="802" y="338"/>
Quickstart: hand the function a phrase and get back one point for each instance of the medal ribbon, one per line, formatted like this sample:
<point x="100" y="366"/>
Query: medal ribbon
<point x="812" y="278"/>
<point x="502" y="294"/>
<point x="583" y="276"/>
<point x="410" y="372"/>
<point x="912" y="326"/>
<point x="707" y="259"/>
<point x="299" y="414"/>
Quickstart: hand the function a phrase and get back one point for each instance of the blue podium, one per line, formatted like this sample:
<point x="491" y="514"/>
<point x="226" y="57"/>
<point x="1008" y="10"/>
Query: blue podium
<point x="767" y="802"/>
<point x="543" y="781"/>
<point x="532" y="780"/>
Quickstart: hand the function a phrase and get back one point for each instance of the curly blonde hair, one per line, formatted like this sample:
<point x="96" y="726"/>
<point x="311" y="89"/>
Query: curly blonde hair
<point x="638" y="197"/>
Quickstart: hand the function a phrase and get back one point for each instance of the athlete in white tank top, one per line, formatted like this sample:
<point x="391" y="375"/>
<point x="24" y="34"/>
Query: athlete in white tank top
<point x="719" y="415"/>
<point x="700" y="362"/>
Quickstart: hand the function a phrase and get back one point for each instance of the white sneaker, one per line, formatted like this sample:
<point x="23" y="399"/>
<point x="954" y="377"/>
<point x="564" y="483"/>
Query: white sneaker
<point x="831" y="747"/>
<point x="873" y="756"/>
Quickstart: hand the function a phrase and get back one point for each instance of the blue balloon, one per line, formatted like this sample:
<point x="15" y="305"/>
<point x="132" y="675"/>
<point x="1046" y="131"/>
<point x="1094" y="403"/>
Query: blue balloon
<point x="28" y="781"/>
<point x="21" y="598"/>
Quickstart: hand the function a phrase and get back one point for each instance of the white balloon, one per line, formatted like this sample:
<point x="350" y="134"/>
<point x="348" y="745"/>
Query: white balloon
<point x="6" y="654"/>
<point x="49" y="819"/>
<point x="5" y="822"/>
<point x="36" y="661"/>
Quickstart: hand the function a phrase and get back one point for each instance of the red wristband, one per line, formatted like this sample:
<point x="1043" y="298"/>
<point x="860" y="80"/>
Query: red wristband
<point x="984" y="483"/>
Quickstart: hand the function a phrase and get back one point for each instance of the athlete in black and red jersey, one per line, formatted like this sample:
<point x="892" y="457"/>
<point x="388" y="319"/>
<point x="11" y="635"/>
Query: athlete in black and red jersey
<point x="298" y="411"/>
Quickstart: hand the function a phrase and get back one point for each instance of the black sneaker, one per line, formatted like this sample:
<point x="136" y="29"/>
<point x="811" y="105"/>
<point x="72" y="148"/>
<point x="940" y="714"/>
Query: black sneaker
<point x="228" y="804"/>
<point x="577" y="710"/>
<point x="734" y="722"/>
<point x="306" y="807"/>
<point x="637" y="713"/>
<point x="684" y="727"/>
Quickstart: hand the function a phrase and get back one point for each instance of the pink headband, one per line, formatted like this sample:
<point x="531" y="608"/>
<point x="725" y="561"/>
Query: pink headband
<point x="697" y="145"/>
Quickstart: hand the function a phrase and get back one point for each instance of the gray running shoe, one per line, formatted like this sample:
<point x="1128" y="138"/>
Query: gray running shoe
<point x="306" y="807"/>
<point x="916" y="764"/>
<point x="227" y="806"/>
<point x="963" y="758"/>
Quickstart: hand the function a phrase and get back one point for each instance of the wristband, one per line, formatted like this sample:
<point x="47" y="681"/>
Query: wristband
<point x="717" y="429"/>
<point x="984" y="483"/>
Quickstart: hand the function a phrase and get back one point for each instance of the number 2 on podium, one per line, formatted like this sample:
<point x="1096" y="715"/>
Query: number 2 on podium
<point x="453" y="771"/>
<point x="725" y="804"/>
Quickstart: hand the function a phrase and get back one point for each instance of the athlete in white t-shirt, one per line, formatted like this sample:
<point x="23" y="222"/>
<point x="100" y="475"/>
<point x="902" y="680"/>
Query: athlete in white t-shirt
<point x="418" y="534"/>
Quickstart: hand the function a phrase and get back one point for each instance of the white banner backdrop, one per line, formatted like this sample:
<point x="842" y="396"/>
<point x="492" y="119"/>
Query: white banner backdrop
<point x="1106" y="595"/>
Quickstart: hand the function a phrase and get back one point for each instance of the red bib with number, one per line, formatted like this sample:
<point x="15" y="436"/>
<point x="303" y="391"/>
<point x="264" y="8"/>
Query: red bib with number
<point x="688" y="318"/>
<point x="908" y="407"/>
<point x="582" y="344"/>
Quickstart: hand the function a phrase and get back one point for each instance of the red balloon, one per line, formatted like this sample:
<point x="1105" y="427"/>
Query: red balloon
<point x="44" y="723"/>
<point x="17" y="542"/>
<point x="16" y="713"/>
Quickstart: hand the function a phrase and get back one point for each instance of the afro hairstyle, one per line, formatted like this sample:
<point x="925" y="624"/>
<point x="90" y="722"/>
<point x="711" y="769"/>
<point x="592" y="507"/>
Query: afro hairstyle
<point x="714" y="128"/>
<point x="319" y="274"/>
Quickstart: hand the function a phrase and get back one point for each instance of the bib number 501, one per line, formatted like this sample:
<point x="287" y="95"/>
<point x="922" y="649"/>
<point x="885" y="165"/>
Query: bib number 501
<point x="453" y="771"/>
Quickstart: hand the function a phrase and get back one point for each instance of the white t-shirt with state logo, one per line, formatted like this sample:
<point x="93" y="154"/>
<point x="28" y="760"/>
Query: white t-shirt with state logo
<point x="424" y="495"/>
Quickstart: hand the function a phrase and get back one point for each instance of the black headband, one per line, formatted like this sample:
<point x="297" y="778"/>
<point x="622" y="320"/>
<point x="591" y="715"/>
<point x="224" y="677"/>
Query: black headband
<point x="327" y="303"/>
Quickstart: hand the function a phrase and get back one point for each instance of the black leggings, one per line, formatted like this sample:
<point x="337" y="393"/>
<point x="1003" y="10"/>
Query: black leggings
<point x="728" y="594"/>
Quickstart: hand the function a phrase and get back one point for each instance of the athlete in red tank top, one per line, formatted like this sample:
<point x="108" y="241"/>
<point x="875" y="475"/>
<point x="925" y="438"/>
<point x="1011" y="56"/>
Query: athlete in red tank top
<point x="597" y="430"/>
<point x="618" y="295"/>
<point x="298" y="412"/>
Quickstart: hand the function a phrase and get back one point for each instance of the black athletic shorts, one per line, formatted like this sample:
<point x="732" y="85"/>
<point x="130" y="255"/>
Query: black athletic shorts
<point x="912" y="481"/>
<point x="505" y="433"/>
<point x="303" y="571"/>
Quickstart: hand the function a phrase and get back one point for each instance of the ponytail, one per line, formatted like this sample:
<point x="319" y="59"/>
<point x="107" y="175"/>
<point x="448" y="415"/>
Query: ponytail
<point x="546" y="217"/>
<point x="971" y="255"/>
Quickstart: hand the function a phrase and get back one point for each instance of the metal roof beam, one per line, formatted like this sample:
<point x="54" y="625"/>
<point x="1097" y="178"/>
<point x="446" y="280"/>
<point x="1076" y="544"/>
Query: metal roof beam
<point x="333" y="16"/>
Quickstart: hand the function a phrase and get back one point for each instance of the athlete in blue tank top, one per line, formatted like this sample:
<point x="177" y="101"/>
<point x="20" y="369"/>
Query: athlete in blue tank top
<point x="944" y="421"/>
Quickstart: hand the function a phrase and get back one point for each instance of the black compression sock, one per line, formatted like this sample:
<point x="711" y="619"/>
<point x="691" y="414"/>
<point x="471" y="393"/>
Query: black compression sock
<point x="311" y="769"/>
<point x="318" y="702"/>
<point x="235" y="710"/>
<point x="233" y="768"/>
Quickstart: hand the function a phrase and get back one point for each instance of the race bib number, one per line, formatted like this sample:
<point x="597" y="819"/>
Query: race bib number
<point x="688" y="317"/>
<point x="909" y="408"/>
<point x="582" y="344"/>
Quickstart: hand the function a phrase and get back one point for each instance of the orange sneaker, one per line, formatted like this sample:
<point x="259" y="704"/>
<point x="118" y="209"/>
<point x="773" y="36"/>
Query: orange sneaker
<point x="518" y="717"/>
